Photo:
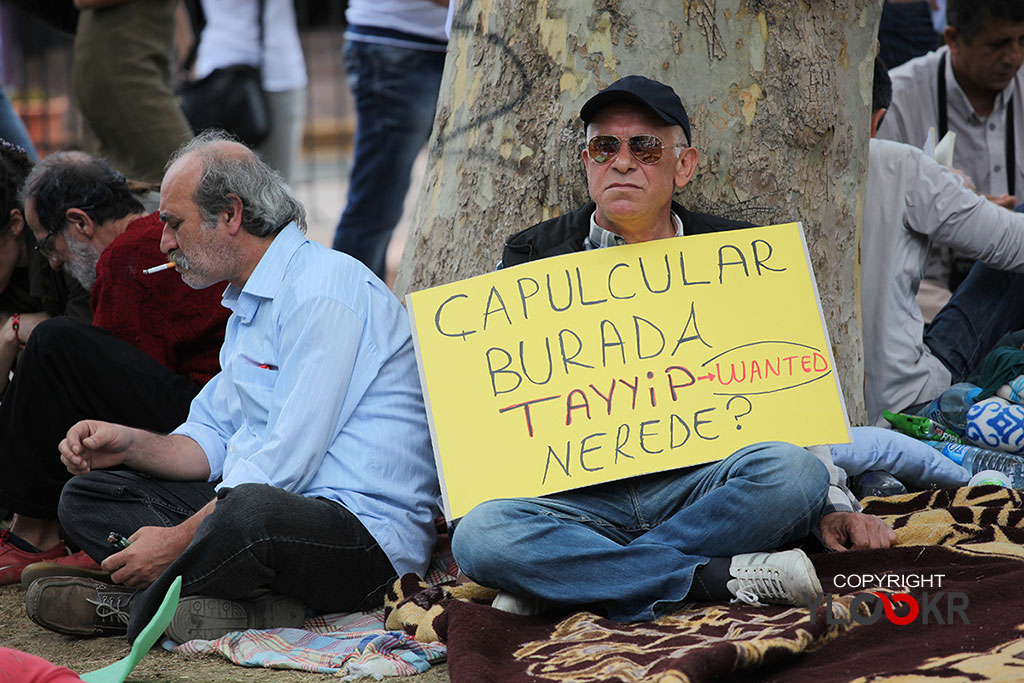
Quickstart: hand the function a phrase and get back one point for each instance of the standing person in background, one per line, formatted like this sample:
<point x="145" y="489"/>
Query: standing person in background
<point x="232" y="36"/>
<point x="906" y="31"/>
<point x="394" y="55"/>
<point x="122" y="83"/>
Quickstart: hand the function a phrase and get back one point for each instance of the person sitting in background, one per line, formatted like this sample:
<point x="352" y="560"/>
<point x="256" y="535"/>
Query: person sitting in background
<point x="973" y="87"/>
<point x="153" y="344"/>
<point x="29" y="291"/>
<point x="917" y="203"/>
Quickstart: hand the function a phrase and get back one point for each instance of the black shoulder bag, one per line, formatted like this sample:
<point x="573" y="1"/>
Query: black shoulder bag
<point x="230" y="98"/>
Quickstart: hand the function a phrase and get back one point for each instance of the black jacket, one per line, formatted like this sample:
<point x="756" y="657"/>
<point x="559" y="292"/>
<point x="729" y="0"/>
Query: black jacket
<point x="566" y="233"/>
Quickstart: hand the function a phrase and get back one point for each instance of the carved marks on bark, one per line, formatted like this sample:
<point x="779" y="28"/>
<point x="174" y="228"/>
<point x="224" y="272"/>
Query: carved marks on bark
<point x="702" y="12"/>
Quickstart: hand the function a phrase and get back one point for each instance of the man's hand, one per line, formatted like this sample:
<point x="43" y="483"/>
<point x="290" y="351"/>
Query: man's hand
<point x="91" y="444"/>
<point x="152" y="550"/>
<point x="856" y="531"/>
<point x="1007" y="201"/>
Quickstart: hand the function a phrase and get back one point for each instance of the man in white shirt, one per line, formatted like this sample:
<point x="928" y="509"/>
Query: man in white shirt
<point x="911" y="203"/>
<point x="974" y="87"/>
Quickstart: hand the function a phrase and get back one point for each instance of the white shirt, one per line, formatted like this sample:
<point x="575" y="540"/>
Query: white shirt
<point x="980" y="149"/>
<point x="418" y="17"/>
<point x="232" y="36"/>
<point x="910" y="201"/>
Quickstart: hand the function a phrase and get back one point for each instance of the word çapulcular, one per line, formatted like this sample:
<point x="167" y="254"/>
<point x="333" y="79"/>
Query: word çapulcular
<point x="620" y="340"/>
<point x="460" y="316"/>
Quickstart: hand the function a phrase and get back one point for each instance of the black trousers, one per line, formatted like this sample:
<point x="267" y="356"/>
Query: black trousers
<point x="71" y="371"/>
<point x="258" y="536"/>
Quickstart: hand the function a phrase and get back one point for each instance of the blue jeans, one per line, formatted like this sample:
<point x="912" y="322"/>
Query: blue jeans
<point x="258" y="536"/>
<point x="985" y="306"/>
<point x="395" y="92"/>
<point x="632" y="546"/>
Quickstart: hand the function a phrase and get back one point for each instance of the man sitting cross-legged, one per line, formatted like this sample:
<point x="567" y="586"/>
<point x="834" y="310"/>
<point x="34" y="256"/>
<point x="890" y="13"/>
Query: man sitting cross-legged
<point x="637" y="548"/>
<point x="303" y="476"/>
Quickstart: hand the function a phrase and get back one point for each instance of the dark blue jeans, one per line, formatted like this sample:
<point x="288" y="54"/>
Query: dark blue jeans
<point x="259" y="536"/>
<point x="987" y="304"/>
<point x="395" y="92"/>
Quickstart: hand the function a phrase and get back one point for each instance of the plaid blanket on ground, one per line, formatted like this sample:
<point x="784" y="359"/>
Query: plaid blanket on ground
<point x="347" y="645"/>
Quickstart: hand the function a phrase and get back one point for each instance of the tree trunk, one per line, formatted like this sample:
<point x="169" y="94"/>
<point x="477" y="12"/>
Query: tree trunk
<point x="778" y="93"/>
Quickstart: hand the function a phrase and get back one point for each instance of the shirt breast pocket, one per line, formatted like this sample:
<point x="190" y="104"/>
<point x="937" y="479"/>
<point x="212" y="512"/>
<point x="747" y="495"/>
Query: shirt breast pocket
<point x="255" y="388"/>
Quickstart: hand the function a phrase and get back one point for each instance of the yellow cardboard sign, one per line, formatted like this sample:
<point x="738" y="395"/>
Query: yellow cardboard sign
<point x="585" y="368"/>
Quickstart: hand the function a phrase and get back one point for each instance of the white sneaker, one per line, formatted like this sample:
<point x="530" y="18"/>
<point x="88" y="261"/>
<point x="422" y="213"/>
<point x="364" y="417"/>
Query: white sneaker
<point x="782" y="578"/>
<point x="518" y="604"/>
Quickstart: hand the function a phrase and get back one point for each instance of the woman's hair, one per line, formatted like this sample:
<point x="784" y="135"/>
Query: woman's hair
<point x="14" y="167"/>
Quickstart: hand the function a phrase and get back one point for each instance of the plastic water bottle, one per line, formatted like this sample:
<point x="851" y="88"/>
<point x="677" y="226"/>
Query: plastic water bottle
<point x="877" y="483"/>
<point x="989" y="478"/>
<point x="920" y="427"/>
<point x="975" y="460"/>
<point x="950" y="408"/>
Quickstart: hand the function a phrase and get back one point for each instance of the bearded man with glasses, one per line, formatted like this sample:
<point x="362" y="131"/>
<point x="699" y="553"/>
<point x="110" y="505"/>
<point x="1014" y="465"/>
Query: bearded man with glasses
<point x="153" y="344"/>
<point x="637" y="548"/>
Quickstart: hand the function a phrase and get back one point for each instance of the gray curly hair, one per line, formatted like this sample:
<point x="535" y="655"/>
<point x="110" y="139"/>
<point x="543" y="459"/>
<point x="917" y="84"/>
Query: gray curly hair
<point x="268" y="203"/>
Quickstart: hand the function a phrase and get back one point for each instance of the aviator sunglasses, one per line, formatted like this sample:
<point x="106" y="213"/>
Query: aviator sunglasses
<point x="646" y="149"/>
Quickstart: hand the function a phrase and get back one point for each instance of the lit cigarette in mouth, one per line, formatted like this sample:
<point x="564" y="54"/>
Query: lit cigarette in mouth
<point x="157" y="269"/>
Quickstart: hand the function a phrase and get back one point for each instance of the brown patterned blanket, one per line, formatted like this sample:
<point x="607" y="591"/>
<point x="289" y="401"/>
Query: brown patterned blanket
<point x="960" y="557"/>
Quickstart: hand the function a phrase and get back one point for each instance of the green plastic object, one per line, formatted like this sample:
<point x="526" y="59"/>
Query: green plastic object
<point x="119" y="670"/>
<point x="920" y="427"/>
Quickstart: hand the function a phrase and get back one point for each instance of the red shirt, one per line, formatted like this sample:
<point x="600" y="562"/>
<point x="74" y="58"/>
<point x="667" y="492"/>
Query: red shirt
<point x="180" y="327"/>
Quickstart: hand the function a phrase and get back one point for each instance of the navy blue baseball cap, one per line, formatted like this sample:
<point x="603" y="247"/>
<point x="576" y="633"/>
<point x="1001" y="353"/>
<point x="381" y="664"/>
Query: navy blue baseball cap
<point x="660" y="98"/>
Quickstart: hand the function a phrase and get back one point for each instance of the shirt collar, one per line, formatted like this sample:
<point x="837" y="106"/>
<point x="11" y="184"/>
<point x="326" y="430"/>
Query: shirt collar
<point x="600" y="238"/>
<point x="998" y="107"/>
<point x="267" y="277"/>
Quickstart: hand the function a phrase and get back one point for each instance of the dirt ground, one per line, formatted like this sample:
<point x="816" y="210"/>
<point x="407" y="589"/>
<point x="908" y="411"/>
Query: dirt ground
<point x="17" y="631"/>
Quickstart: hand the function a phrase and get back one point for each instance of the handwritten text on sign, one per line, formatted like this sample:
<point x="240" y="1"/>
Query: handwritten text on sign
<point x="580" y="369"/>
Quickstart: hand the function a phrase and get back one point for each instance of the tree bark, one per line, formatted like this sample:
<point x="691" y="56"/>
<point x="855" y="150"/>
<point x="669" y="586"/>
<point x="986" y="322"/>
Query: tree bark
<point x="778" y="94"/>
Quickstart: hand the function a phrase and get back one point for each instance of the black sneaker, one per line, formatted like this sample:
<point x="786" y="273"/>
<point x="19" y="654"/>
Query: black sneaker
<point x="78" y="606"/>
<point x="210" y="618"/>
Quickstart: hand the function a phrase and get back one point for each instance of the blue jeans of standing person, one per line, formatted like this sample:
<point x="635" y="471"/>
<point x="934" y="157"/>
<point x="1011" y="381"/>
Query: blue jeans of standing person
<point x="632" y="546"/>
<point x="986" y="305"/>
<point x="395" y="90"/>
<point x="258" y="537"/>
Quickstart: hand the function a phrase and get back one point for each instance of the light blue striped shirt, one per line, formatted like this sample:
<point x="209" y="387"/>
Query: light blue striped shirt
<point x="319" y="395"/>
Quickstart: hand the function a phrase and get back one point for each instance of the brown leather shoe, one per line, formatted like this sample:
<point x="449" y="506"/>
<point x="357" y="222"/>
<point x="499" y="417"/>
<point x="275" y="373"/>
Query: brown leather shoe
<point x="78" y="606"/>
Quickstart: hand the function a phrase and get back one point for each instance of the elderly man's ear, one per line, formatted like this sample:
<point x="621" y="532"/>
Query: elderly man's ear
<point x="81" y="223"/>
<point x="686" y="165"/>
<point x="233" y="214"/>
